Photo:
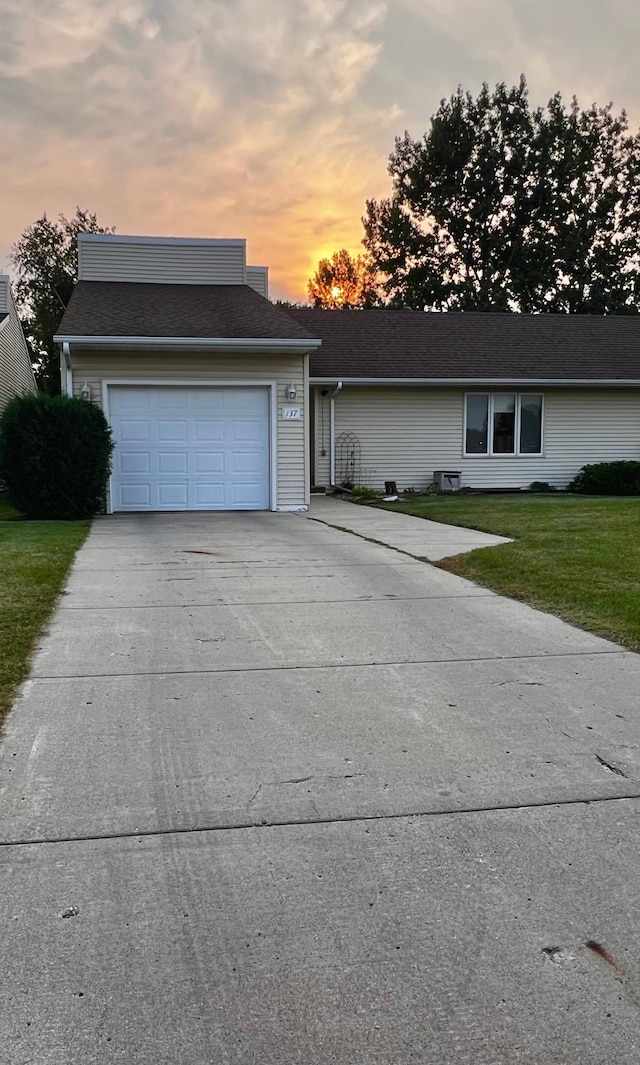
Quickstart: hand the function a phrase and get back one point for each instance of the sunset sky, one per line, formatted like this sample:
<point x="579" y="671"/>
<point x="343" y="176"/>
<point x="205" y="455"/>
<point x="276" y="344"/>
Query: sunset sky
<point x="270" y="119"/>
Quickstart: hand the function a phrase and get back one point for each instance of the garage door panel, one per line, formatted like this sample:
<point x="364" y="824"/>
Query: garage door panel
<point x="246" y="401"/>
<point x="210" y="431"/>
<point x="128" y="401"/>
<point x="132" y="432"/>
<point x="207" y="400"/>
<point x="173" y="494"/>
<point x="243" y="462"/>
<point x="169" y="401"/>
<point x="209" y="495"/>
<point x="173" y="462"/>
<point x="134" y="495"/>
<point x="134" y="462"/>
<point x="172" y="432"/>
<point x="181" y="448"/>
<point x="209" y="462"/>
<point x="248" y="432"/>
<point x="245" y="495"/>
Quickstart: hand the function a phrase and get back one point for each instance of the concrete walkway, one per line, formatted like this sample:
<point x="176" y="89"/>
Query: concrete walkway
<point x="277" y="794"/>
<point x="415" y="536"/>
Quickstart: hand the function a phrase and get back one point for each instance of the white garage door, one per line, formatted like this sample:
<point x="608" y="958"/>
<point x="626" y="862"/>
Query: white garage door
<point x="196" y="448"/>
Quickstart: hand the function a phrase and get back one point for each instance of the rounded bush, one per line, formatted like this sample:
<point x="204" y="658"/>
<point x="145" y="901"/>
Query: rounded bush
<point x="608" y="479"/>
<point x="55" y="456"/>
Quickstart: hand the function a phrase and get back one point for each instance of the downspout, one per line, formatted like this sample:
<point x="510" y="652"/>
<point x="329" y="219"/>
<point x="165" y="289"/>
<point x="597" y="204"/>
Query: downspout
<point x="332" y="433"/>
<point x="68" y="377"/>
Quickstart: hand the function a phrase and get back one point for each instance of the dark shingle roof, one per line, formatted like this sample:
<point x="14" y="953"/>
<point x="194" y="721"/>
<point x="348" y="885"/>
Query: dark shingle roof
<point x="130" y="309"/>
<point x="474" y="346"/>
<point x="2" y="318"/>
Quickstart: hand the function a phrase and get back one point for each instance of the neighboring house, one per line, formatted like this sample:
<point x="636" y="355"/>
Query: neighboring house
<point x="503" y="399"/>
<point x="16" y="371"/>
<point x="203" y="380"/>
<point x="219" y="400"/>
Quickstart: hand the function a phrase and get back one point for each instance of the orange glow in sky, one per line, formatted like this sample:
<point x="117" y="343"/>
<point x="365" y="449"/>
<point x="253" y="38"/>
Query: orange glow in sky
<point x="270" y="121"/>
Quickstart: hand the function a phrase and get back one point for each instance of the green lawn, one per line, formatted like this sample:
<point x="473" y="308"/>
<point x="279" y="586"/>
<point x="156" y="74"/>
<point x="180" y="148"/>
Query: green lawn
<point x="577" y="557"/>
<point x="35" y="557"/>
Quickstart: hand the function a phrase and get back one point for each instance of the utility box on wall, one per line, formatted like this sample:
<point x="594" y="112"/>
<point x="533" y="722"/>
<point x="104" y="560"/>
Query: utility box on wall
<point x="447" y="481"/>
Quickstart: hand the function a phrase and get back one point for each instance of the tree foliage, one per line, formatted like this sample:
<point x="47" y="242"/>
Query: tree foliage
<point x="344" y="281"/>
<point x="503" y="207"/>
<point x="45" y="259"/>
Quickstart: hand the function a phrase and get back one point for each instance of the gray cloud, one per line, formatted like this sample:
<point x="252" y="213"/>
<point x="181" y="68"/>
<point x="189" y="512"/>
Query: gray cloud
<point x="266" y="118"/>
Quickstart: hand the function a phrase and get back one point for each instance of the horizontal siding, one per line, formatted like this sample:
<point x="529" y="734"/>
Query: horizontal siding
<point x="407" y="434"/>
<point x="16" y="374"/>
<point x="196" y="264"/>
<point x="5" y="298"/>
<point x="95" y="366"/>
<point x="258" y="279"/>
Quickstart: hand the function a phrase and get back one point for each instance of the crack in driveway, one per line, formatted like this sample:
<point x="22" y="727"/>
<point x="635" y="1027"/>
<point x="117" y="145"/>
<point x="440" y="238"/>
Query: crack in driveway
<point x="297" y="780"/>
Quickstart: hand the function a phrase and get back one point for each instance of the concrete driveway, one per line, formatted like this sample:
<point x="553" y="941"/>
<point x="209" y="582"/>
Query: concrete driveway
<point x="278" y="794"/>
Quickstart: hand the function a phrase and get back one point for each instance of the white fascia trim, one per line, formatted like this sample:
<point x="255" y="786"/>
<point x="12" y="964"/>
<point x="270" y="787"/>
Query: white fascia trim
<point x="294" y="347"/>
<point x="473" y="382"/>
<point x="163" y="382"/>
<point x="115" y="238"/>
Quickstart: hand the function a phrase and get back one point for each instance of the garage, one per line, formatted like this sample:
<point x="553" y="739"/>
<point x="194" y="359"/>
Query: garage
<point x="203" y="380"/>
<point x="190" y="448"/>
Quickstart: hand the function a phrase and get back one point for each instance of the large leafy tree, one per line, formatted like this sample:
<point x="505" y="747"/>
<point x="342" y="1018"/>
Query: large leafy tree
<point x="45" y="259"/>
<point x="344" y="280"/>
<point x="504" y="207"/>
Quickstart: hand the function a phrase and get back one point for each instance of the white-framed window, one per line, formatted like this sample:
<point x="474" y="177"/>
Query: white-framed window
<point x="503" y="423"/>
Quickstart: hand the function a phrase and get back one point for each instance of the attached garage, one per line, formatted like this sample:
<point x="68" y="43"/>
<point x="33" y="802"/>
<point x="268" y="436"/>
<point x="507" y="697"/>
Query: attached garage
<point x="202" y="379"/>
<point x="190" y="448"/>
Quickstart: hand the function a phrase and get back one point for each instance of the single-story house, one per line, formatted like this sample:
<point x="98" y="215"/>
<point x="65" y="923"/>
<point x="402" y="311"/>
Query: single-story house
<point x="219" y="399"/>
<point x="16" y="371"/>
<point x="502" y="399"/>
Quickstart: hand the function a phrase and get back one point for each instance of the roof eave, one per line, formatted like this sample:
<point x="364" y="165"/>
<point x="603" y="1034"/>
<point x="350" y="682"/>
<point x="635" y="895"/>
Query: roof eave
<point x="240" y="345"/>
<point x="466" y="382"/>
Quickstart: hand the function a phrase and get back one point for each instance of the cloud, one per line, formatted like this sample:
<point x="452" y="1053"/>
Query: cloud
<point x="270" y="119"/>
<point x="580" y="47"/>
<point x="219" y="117"/>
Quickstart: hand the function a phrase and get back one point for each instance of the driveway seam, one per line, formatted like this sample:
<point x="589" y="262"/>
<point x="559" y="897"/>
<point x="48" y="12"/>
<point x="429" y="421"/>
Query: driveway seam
<point x="400" y="550"/>
<point x="323" y="665"/>
<point x="242" y="826"/>
<point x="284" y="602"/>
<point x="208" y="567"/>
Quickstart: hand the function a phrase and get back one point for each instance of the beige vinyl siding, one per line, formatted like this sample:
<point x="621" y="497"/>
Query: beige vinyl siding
<point x="96" y="366"/>
<point x="16" y="373"/>
<point x="407" y="433"/>
<point x="173" y="263"/>
<point x="258" y="279"/>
